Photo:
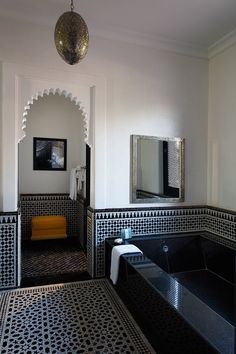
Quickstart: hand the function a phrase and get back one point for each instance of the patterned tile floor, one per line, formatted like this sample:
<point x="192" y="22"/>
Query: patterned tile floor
<point x="52" y="261"/>
<point x="81" y="317"/>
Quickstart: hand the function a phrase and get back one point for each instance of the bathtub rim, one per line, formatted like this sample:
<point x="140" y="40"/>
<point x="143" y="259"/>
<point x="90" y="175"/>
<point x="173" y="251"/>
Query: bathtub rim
<point x="224" y="327"/>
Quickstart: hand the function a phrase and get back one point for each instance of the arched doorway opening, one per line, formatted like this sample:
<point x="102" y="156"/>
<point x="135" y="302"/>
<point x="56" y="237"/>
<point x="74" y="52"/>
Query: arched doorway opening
<point x="54" y="115"/>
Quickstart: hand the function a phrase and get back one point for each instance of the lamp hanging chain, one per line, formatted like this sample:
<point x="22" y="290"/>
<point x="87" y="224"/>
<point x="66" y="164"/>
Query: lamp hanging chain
<point x="71" y="5"/>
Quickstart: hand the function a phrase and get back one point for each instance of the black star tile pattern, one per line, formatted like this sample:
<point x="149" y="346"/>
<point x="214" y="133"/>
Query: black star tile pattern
<point x="81" y="317"/>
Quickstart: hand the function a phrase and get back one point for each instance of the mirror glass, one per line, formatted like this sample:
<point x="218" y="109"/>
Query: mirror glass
<point x="157" y="169"/>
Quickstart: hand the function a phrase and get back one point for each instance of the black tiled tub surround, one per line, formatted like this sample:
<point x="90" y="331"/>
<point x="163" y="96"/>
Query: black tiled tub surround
<point x="8" y="250"/>
<point x="51" y="204"/>
<point x="153" y="221"/>
<point x="177" y="316"/>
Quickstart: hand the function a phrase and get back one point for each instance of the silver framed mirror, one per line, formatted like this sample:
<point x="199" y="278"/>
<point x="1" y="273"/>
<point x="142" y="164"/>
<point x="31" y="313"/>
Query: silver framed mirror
<point x="157" y="169"/>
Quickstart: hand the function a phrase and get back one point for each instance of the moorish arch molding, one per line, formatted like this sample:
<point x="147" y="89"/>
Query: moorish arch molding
<point x="60" y="92"/>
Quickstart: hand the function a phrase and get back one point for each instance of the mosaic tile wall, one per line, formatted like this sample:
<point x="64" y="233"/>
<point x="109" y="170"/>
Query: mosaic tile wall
<point x="49" y="204"/>
<point x="158" y="221"/>
<point x="90" y="243"/>
<point x="82" y="219"/>
<point x="8" y="251"/>
<point x="221" y="223"/>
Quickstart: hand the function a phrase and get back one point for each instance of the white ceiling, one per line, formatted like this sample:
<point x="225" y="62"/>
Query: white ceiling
<point x="197" y="22"/>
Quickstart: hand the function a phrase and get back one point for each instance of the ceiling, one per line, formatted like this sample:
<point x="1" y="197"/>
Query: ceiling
<point x="197" y="22"/>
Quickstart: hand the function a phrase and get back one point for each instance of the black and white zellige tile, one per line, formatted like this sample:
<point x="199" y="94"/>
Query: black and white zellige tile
<point x="82" y="317"/>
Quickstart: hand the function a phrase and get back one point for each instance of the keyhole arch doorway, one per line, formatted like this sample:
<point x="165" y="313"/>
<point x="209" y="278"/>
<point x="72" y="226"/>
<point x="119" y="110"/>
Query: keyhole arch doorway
<point x="29" y="129"/>
<point x="52" y="113"/>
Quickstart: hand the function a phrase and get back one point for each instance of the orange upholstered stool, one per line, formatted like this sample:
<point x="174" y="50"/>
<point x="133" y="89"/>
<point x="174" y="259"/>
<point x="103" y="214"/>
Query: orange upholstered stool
<point x="48" y="227"/>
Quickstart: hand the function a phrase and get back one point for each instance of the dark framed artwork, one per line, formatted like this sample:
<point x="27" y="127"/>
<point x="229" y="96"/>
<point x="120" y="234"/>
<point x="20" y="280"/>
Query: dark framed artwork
<point x="49" y="154"/>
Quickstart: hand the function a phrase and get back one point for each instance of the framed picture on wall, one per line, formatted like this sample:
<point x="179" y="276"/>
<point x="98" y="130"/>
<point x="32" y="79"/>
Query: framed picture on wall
<point x="49" y="154"/>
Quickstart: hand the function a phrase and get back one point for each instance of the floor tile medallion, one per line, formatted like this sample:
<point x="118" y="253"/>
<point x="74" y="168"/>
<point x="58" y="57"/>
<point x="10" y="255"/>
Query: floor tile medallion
<point x="82" y="317"/>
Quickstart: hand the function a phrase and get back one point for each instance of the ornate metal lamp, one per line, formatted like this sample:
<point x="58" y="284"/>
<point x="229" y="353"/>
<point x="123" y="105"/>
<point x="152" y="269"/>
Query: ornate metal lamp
<point x="71" y="36"/>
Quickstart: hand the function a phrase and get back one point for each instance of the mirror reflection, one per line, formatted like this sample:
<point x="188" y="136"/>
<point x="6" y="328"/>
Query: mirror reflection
<point x="157" y="171"/>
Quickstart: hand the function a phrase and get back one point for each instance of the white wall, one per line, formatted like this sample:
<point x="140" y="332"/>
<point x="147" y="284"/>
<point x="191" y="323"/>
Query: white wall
<point x="51" y="116"/>
<point x="222" y="130"/>
<point x="149" y="92"/>
<point x="1" y="165"/>
<point x="160" y="94"/>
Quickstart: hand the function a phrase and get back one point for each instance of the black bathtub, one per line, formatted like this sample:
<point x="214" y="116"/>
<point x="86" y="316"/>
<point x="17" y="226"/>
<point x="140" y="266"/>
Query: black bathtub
<point x="182" y="292"/>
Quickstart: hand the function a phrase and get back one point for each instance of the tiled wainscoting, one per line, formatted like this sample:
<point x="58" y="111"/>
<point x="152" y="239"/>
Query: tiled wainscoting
<point x="102" y="224"/>
<point x="220" y="222"/>
<point x="91" y="242"/>
<point x="152" y="221"/>
<point x="8" y="250"/>
<point x="52" y="204"/>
